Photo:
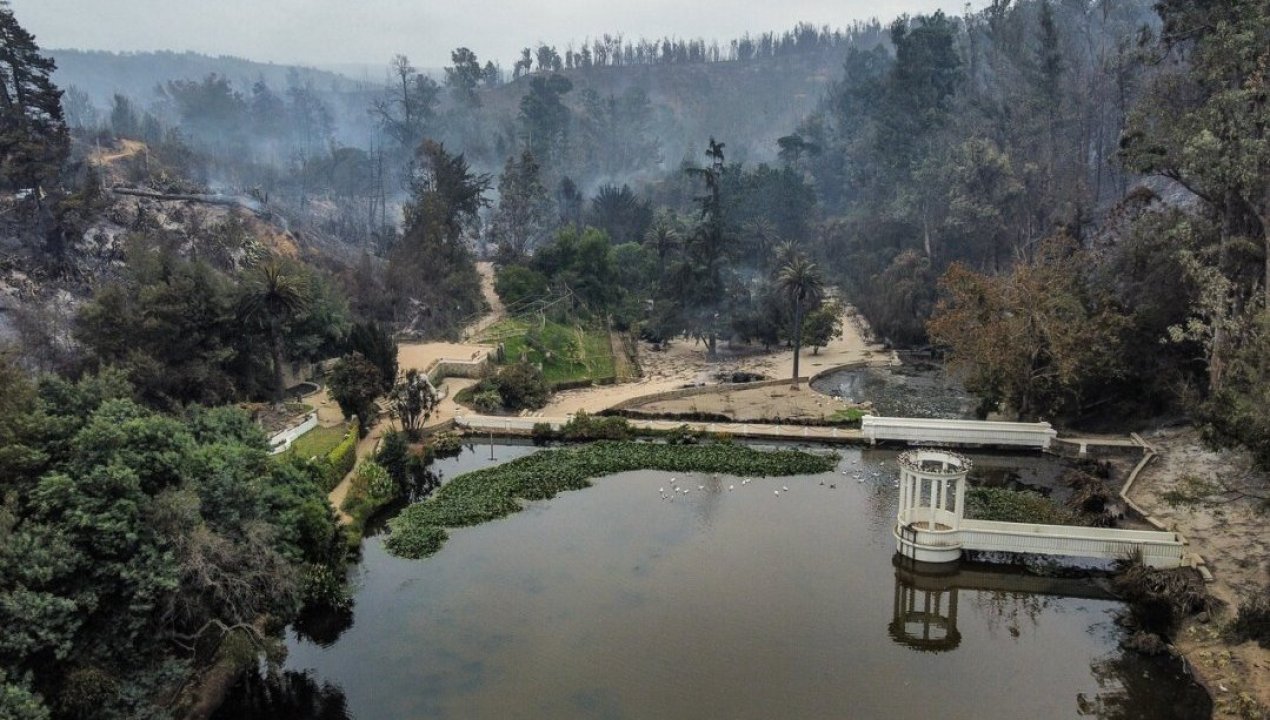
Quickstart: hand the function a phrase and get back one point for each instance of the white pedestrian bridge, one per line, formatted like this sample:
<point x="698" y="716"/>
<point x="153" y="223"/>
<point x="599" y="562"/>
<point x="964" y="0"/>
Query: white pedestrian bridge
<point x="930" y="525"/>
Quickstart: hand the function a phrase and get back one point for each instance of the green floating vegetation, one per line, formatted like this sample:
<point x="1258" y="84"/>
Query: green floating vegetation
<point x="1005" y="505"/>
<point x="496" y="492"/>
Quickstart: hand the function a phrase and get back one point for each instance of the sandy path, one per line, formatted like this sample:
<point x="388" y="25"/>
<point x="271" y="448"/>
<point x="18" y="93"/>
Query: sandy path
<point x="685" y="363"/>
<point x="497" y="311"/>
<point x="1232" y="538"/>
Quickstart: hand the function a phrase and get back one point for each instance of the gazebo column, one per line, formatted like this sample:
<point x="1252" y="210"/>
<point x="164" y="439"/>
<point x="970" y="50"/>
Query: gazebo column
<point x="961" y="502"/>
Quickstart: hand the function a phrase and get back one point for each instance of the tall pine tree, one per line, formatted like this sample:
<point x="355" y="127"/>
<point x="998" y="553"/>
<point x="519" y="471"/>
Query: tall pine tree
<point x="33" y="136"/>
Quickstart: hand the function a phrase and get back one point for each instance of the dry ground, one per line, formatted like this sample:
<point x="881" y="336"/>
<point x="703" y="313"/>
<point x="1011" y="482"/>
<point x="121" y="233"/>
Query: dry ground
<point x="753" y="404"/>
<point x="1197" y="491"/>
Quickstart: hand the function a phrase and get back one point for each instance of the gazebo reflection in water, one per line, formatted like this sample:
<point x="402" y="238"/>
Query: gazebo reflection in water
<point x="924" y="610"/>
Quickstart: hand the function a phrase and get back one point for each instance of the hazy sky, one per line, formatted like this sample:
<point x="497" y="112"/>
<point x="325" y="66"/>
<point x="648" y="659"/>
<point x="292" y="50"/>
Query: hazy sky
<point x="327" y="32"/>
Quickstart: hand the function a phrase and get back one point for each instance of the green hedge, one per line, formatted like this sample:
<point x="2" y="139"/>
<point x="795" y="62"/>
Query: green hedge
<point x="340" y="461"/>
<point x="496" y="492"/>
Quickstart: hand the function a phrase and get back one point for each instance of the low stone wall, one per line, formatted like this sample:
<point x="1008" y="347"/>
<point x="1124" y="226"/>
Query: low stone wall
<point x="700" y="390"/>
<point x="473" y="367"/>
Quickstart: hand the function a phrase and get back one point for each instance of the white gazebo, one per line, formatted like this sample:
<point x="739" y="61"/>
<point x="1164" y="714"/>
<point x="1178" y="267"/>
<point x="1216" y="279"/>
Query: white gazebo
<point x="932" y="504"/>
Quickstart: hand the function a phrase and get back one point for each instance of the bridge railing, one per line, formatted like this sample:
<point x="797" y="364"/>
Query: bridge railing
<point x="1159" y="549"/>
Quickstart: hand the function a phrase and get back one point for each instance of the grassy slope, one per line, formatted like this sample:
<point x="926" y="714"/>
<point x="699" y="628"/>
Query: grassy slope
<point x="576" y="354"/>
<point x="318" y="442"/>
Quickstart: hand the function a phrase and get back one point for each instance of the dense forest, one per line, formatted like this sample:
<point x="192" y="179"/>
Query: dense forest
<point x="1067" y="200"/>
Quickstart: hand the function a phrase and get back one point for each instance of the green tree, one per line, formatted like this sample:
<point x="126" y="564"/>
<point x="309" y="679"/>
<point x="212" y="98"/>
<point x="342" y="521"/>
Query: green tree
<point x="544" y="119"/>
<point x="413" y="400"/>
<point x="801" y="283"/>
<point x="34" y="141"/>
<point x="517" y="284"/>
<point x="375" y="343"/>
<point x="463" y="77"/>
<point x="274" y="296"/>
<point x="822" y="326"/>
<point x="523" y="218"/>
<point x="355" y="383"/>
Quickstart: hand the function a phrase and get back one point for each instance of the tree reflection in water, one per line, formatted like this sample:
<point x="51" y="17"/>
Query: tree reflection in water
<point x="924" y="618"/>
<point x="287" y="695"/>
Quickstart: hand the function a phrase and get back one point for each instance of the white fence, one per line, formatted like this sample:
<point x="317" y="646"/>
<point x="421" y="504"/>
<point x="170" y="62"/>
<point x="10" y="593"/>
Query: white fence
<point x="1159" y="549"/>
<point x="282" y="441"/>
<point x="957" y="432"/>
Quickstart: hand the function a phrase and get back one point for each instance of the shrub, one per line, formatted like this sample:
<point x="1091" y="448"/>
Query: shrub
<point x="394" y="455"/>
<point x="684" y="435"/>
<point x="322" y="586"/>
<point x="543" y="433"/>
<point x="1159" y="599"/>
<point x="446" y="444"/>
<point x="584" y="426"/>
<point x="488" y="400"/>
<point x="340" y="461"/>
<point x="516" y="283"/>
<point x="1004" y="505"/>
<point x="522" y="387"/>
<point x="1253" y="620"/>
<point x="378" y="483"/>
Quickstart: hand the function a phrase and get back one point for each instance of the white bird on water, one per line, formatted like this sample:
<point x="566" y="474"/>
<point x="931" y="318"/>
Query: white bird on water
<point x="731" y="487"/>
<point x="776" y="493"/>
<point x="701" y="487"/>
<point x="661" y="490"/>
<point x="784" y="488"/>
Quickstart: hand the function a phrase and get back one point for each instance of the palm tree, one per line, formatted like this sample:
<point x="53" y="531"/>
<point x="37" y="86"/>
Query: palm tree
<point x="662" y="237"/>
<point x="274" y="296"/>
<point x="800" y="281"/>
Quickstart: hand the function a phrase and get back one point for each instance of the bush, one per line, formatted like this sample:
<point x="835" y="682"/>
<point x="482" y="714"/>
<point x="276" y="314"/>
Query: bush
<point x="394" y="456"/>
<point x="1020" y="506"/>
<point x="488" y="400"/>
<point x="516" y="283"/>
<point x="1253" y="620"/>
<point x="522" y="387"/>
<point x="1159" y="599"/>
<point x="340" y="461"/>
<point x="322" y="586"/>
<point x="589" y="427"/>
<point x="446" y="444"/>
<point x="378" y="483"/>
<point x="543" y="433"/>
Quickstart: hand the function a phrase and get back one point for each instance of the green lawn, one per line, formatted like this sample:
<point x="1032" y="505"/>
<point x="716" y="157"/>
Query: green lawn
<point x="576" y="353"/>
<point x="318" y="442"/>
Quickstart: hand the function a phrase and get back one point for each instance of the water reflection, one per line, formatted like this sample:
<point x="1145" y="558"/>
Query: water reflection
<point x="925" y="605"/>
<point x="924" y="618"/>
<point x="612" y="602"/>
<point x="288" y="695"/>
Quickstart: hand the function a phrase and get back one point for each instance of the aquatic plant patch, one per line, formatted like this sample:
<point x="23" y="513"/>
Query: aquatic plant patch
<point x="496" y="492"/>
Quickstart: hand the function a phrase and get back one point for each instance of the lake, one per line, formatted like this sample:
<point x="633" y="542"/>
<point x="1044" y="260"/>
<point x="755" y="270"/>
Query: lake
<point x="612" y="602"/>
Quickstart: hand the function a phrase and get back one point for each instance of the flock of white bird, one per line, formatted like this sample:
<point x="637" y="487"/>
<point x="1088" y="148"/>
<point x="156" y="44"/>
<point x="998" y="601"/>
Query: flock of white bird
<point x="857" y="471"/>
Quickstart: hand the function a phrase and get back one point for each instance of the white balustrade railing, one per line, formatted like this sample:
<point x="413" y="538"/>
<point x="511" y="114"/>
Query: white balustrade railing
<point x="957" y="432"/>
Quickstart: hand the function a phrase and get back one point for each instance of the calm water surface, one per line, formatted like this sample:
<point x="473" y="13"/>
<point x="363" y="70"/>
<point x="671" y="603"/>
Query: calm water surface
<point x="614" y="603"/>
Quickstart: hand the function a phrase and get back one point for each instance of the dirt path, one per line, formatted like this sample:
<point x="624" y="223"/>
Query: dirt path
<point x="685" y="363"/>
<point x="497" y="311"/>
<point x="1183" y="487"/>
<point x="129" y="149"/>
